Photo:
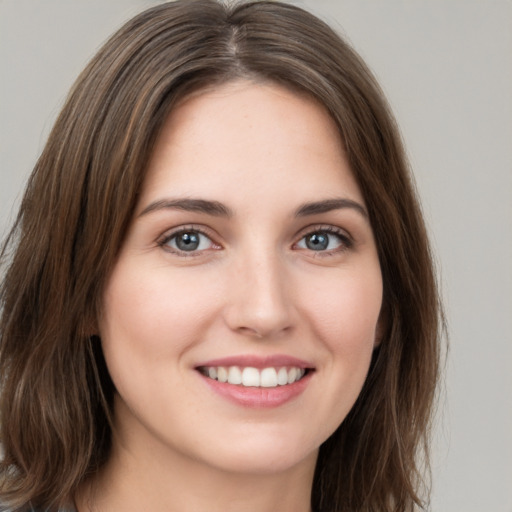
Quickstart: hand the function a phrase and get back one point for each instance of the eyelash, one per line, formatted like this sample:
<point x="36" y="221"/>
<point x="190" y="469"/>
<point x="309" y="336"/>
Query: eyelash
<point x="163" y="243"/>
<point x="345" y="240"/>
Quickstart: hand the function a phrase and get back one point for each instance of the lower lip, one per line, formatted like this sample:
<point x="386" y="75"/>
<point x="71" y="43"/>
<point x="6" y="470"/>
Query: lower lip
<point x="259" y="397"/>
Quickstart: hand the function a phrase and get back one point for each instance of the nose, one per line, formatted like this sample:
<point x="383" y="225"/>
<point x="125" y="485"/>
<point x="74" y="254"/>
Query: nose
<point x="259" y="301"/>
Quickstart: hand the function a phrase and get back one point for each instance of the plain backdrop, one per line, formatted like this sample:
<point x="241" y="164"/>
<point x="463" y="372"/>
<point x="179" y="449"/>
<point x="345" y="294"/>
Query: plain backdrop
<point x="446" y="69"/>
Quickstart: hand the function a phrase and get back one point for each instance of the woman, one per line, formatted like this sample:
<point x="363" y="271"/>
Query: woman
<point x="221" y="294"/>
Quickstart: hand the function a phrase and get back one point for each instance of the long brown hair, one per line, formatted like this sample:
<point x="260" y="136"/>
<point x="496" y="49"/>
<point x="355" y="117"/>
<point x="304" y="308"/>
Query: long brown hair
<point x="56" y="393"/>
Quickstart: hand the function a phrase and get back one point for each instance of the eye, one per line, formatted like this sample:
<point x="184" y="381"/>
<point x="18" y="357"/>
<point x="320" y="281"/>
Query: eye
<point x="188" y="241"/>
<point x="324" y="240"/>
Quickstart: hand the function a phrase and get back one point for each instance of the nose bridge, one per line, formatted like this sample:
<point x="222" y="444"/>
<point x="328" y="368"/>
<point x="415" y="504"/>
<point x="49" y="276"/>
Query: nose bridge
<point x="260" y="303"/>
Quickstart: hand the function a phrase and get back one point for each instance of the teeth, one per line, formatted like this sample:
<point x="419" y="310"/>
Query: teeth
<point x="222" y="374"/>
<point x="292" y="375"/>
<point x="268" y="378"/>
<point x="252" y="377"/>
<point x="234" y="375"/>
<point x="282" y="376"/>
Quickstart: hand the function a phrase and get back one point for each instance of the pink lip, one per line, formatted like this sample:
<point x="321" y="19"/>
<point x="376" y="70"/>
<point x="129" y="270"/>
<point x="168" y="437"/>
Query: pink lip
<point x="276" y="361"/>
<point x="258" y="397"/>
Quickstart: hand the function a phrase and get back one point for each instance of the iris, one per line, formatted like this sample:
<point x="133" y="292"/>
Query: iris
<point x="317" y="241"/>
<point x="187" y="241"/>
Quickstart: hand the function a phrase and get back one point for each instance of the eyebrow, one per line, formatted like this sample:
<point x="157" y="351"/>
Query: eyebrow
<point x="218" y="209"/>
<point x="190" y="205"/>
<point x="328" y="205"/>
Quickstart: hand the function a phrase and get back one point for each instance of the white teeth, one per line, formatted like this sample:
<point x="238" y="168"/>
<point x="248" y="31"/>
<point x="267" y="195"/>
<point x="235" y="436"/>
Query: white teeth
<point x="222" y="374"/>
<point x="234" y="375"/>
<point x="268" y="378"/>
<point x="252" y="377"/>
<point x="292" y="375"/>
<point x="282" y="376"/>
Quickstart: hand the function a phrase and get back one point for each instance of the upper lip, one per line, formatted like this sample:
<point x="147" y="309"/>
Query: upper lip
<point x="254" y="361"/>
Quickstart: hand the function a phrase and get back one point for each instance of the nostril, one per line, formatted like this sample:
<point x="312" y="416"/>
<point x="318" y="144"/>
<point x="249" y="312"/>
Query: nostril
<point x="251" y="332"/>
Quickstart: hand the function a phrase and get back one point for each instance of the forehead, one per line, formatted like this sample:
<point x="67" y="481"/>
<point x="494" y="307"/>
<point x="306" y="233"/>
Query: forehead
<point x="249" y="138"/>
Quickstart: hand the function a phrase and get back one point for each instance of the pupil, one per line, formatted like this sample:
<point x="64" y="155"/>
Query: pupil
<point x="317" y="241"/>
<point x="187" y="241"/>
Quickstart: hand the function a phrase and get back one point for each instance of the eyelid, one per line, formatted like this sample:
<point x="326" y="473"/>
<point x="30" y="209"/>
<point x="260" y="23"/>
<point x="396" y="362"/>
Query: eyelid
<point x="347" y="240"/>
<point x="186" y="228"/>
<point x="345" y="237"/>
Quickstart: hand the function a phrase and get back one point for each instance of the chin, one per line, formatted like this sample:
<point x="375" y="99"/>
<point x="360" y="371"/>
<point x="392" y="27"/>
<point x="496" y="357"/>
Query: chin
<point x="264" y="455"/>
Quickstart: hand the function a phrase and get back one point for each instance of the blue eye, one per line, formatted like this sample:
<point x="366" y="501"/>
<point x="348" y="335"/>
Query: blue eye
<point x="323" y="240"/>
<point x="188" y="241"/>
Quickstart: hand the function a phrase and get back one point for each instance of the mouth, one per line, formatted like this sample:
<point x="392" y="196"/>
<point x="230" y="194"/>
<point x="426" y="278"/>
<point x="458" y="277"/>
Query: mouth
<point x="257" y="381"/>
<point x="251" y="377"/>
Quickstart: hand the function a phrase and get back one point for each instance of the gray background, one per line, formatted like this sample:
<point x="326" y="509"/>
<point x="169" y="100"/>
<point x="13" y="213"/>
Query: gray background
<point x="446" y="68"/>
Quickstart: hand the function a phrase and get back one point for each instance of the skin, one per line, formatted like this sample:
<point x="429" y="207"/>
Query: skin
<point x="253" y="287"/>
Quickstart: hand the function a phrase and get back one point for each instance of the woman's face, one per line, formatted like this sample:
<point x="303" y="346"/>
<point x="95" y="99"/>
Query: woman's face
<point x="240" y="318"/>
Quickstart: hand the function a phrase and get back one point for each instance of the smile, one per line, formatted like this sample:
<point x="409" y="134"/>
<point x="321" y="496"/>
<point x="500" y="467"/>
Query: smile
<point x="269" y="377"/>
<point x="257" y="381"/>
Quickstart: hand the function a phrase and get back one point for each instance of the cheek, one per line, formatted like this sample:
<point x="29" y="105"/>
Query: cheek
<point x="346" y="311"/>
<point x="153" y="306"/>
<point x="345" y="315"/>
<point x="151" y="316"/>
